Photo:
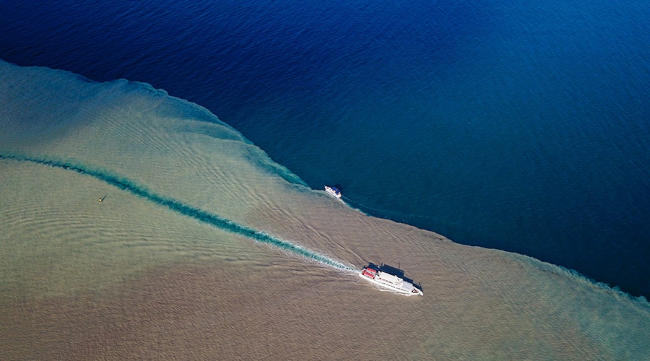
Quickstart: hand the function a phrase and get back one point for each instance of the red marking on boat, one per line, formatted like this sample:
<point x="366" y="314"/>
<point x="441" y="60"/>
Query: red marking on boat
<point x="369" y="272"/>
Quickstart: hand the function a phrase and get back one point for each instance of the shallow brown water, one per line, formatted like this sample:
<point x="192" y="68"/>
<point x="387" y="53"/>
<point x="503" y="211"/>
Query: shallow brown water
<point x="128" y="278"/>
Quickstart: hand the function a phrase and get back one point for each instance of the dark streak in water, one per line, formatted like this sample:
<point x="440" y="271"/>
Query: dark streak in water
<point x="179" y="207"/>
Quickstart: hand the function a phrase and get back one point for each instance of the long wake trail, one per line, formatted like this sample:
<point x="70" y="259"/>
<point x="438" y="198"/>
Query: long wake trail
<point x="179" y="207"/>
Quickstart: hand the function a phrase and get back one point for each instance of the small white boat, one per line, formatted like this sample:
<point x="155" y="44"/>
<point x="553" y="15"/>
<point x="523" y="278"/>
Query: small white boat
<point x="333" y="191"/>
<point x="389" y="281"/>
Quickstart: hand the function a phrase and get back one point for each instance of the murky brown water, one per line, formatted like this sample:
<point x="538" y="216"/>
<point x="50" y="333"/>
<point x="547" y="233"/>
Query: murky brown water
<point x="130" y="279"/>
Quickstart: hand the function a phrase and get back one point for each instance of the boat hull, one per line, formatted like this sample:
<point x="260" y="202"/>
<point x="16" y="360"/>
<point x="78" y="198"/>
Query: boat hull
<point x="333" y="192"/>
<point x="402" y="291"/>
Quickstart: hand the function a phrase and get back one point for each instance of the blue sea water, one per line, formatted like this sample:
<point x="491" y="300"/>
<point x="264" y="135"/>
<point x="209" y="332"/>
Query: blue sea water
<point x="522" y="126"/>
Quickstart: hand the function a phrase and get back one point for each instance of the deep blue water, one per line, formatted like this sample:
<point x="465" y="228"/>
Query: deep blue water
<point x="523" y="126"/>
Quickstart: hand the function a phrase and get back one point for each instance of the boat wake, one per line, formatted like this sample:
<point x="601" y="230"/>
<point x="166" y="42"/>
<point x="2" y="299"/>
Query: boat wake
<point x="179" y="207"/>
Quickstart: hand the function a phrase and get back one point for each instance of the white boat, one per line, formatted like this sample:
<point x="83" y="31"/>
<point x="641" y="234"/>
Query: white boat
<point x="333" y="191"/>
<point x="389" y="281"/>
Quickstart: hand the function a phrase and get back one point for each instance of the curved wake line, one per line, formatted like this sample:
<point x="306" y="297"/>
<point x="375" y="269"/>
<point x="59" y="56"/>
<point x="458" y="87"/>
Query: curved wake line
<point x="179" y="207"/>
